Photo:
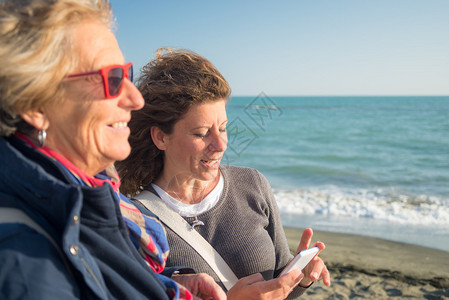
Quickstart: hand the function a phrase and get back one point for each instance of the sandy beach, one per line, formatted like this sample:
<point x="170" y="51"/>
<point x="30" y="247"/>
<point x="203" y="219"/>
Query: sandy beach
<point x="371" y="268"/>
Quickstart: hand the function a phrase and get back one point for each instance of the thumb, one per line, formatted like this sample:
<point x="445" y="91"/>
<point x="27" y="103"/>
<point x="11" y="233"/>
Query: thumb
<point x="248" y="280"/>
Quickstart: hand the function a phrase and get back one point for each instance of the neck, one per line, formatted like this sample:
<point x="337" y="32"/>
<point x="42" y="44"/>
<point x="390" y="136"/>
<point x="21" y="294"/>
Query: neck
<point x="189" y="191"/>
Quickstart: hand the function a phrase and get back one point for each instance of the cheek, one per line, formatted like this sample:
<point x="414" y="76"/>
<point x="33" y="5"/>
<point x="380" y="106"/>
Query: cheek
<point x="92" y="125"/>
<point x="187" y="151"/>
<point x="198" y="148"/>
<point x="71" y="119"/>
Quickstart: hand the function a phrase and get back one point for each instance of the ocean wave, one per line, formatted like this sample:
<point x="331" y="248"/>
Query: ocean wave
<point x="385" y="205"/>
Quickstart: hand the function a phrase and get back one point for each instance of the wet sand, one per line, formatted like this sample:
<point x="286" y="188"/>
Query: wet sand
<point x="370" y="268"/>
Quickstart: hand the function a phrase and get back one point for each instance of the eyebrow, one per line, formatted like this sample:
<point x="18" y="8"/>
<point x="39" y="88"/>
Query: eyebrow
<point x="207" y="127"/>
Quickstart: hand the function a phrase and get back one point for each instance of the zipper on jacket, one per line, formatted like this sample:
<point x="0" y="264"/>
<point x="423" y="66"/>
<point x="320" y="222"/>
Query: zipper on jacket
<point x="92" y="274"/>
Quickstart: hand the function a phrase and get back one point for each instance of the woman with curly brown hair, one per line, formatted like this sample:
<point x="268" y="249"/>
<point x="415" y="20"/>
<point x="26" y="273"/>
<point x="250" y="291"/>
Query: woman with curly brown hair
<point x="178" y="140"/>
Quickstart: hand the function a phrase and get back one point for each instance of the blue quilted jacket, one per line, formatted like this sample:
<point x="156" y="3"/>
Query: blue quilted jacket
<point x="85" y="223"/>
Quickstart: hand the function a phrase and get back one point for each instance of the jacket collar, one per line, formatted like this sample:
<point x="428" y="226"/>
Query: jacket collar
<point x="39" y="185"/>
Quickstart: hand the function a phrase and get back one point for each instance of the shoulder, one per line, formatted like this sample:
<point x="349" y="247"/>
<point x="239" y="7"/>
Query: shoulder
<point x="239" y="171"/>
<point x="31" y="267"/>
<point x="243" y="175"/>
<point x="138" y="202"/>
<point x="24" y="243"/>
<point x="247" y="183"/>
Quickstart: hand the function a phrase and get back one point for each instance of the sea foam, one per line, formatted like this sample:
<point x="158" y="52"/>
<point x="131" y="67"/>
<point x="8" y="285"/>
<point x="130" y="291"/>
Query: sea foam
<point x="362" y="203"/>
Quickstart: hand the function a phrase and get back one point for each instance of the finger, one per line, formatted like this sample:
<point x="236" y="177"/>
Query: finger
<point x="326" y="276"/>
<point x="218" y="294"/>
<point x="320" y="246"/>
<point x="279" y="288"/>
<point x="318" y="267"/>
<point x="320" y="271"/>
<point x="305" y="239"/>
<point x="251" y="279"/>
<point x="293" y="275"/>
<point x="291" y="279"/>
<point x="312" y="271"/>
<point x="211" y="290"/>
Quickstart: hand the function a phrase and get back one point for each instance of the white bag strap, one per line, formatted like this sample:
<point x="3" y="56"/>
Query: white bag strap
<point x="15" y="215"/>
<point x="182" y="228"/>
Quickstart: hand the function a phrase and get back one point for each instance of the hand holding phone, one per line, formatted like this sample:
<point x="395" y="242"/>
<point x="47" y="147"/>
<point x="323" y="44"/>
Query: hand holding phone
<point x="301" y="260"/>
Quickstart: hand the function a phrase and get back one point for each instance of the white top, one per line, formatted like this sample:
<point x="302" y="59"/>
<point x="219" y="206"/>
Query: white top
<point x="192" y="210"/>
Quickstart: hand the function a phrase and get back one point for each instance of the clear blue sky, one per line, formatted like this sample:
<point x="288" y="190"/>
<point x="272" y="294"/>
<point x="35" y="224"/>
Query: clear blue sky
<point x="299" y="47"/>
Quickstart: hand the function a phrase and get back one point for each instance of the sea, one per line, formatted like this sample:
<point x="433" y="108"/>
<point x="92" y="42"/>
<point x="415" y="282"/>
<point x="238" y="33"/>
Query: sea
<point x="373" y="166"/>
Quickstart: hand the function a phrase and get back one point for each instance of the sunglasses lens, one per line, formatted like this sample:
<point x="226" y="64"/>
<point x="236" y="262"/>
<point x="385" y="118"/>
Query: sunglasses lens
<point x="130" y="73"/>
<point x="115" y="81"/>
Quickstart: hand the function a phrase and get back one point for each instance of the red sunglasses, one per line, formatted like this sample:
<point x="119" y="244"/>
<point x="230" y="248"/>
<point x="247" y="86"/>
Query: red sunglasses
<point x="113" y="77"/>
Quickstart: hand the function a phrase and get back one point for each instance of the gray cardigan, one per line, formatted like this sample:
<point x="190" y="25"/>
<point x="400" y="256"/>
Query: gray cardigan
<point x="244" y="227"/>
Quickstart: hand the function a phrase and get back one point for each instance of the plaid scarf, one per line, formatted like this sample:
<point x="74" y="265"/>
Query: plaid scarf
<point x="146" y="233"/>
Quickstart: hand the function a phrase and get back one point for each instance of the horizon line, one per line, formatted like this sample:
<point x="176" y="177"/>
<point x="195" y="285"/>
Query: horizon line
<point x="299" y="95"/>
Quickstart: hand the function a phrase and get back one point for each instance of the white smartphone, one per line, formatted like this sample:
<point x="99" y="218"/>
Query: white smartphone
<point x="301" y="260"/>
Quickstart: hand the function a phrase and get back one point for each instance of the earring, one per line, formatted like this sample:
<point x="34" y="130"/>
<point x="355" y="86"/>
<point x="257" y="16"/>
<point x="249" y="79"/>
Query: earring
<point x="41" y="136"/>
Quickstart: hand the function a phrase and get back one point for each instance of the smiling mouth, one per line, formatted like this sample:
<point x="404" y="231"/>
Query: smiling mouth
<point x="118" y="125"/>
<point x="211" y="163"/>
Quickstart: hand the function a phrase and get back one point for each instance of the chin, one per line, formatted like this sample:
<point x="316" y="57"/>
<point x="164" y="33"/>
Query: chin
<point x="121" y="154"/>
<point x="210" y="175"/>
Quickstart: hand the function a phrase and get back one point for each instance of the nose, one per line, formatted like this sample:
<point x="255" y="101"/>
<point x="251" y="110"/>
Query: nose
<point x="131" y="97"/>
<point x="219" y="142"/>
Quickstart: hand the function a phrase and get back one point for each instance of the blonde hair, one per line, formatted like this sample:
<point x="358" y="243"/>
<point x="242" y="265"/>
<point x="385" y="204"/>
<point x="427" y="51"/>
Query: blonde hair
<point x="36" y="53"/>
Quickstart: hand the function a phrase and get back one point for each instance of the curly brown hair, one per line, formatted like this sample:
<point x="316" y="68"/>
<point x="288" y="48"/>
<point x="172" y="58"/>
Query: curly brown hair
<point x="170" y="84"/>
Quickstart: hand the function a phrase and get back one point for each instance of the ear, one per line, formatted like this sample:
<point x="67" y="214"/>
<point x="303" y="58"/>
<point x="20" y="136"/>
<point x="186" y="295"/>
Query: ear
<point x="159" y="138"/>
<point x="36" y="118"/>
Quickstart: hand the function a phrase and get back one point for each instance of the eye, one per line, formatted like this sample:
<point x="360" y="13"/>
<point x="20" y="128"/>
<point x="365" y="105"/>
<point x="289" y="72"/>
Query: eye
<point x="201" y="135"/>
<point x="115" y="81"/>
<point x="223" y="129"/>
